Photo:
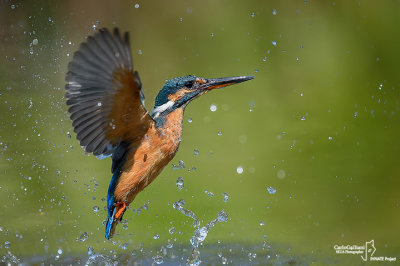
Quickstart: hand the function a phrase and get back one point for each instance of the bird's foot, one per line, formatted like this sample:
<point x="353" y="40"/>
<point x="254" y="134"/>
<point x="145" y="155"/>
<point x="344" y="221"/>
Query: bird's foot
<point x="120" y="209"/>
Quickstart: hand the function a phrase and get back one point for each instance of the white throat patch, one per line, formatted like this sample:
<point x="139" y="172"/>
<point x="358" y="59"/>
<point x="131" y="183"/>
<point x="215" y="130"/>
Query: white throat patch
<point x="162" y="108"/>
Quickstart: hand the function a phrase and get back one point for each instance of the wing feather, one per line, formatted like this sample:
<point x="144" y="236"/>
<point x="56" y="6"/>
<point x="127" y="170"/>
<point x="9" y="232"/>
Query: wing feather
<point x="104" y="94"/>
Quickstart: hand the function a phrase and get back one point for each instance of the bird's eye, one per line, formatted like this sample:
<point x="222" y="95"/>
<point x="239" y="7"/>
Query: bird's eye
<point x="189" y="84"/>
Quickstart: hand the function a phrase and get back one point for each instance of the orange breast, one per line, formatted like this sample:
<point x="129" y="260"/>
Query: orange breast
<point x="145" y="162"/>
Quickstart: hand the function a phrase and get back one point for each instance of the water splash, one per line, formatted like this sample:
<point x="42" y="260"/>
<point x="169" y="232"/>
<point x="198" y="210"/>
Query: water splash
<point x="158" y="259"/>
<point x="179" y="207"/>
<point x="97" y="259"/>
<point x="200" y="233"/>
<point x="10" y="258"/>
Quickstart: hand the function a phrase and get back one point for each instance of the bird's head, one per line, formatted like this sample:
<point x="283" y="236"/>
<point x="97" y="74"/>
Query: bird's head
<point x="178" y="92"/>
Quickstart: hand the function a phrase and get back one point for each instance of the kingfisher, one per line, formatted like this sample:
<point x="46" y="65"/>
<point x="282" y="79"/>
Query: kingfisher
<point x="106" y="106"/>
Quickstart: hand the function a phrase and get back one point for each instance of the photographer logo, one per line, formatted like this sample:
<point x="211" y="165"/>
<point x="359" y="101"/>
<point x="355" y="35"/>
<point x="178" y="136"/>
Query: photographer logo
<point x="366" y="251"/>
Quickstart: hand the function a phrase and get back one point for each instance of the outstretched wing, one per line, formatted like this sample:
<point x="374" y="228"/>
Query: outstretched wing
<point x="104" y="94"/>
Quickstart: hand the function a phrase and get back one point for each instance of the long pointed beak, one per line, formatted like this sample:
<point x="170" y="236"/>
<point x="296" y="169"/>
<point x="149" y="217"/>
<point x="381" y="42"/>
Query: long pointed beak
<point x="223" y="82"/>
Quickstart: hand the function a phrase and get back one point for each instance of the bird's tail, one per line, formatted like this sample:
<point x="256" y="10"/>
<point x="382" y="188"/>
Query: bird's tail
<point x="112" y="220"/>
<point x="115" y="210"/>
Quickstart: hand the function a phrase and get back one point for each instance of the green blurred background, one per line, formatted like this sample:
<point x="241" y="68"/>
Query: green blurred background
<point x="320" y="124"/>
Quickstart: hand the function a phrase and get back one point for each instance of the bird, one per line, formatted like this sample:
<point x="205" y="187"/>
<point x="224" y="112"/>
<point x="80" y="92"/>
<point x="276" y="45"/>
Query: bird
<point x="106" y="105"/>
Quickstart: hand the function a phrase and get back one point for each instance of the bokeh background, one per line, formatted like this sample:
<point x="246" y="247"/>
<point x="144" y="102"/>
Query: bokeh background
<point x="308" y="152"/>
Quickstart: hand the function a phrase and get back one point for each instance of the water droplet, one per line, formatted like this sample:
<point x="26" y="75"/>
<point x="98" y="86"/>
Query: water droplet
<point x="179" y="182"/>
<point x="264" y="59"/>
<point x="213" y="108"/>
<point x="209" y="193"/>
<point x="136" y="5"/>
<point x="252" y="14"/>
<point x="303" y="118"/>
<point x="156" y="236"/>
<point x="212" y="34"/>
<point x="219" y="133"/>
<point x="158" y="259"/>
<point x="224" y="260"/>
<point x="355" y="114"/>
<point x="12" y="7"/>
<point x="90" y="250"/>
<point x="271" y="190"/>
<point x="190" y="120"/>
<point x="99" y="104"/>
<point x="35" y="41"/>
<point x="59" y="251"/>
<point x="169" y="244"/>
<point x="274" y="43"/>
<point x="7" y="244"/>
<point x="96" y="208"/>
<point x="239" y="169"/>
<point x="84" y="236"/>
<point x="380" y="86"/>
<point x="330" y="138"/>
<point x="181" y="202"/>
<point x="274" y="12"/>
<point x="172" y="230"/>
<point x="222" y="216"/>
<point x="124" y="246"/>
<point x="196" y="152"/>
<point x="181" y="165"/>
<point x="262" y="223"/>
<point x="281" y="174"/>
<point x="226" y="196"/>
<point x="95" y="24"/>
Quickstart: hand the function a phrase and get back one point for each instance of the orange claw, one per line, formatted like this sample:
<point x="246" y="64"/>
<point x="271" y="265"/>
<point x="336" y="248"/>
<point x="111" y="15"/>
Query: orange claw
<point x="121" y="206"/>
